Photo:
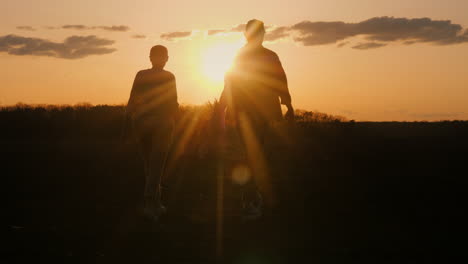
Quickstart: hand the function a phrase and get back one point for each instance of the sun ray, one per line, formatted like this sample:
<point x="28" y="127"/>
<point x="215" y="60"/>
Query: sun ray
<point x="256" y="158"/>
<point x="217" y="59"/>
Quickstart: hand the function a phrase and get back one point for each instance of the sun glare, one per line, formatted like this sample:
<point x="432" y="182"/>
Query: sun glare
<point x="218" y="58"/>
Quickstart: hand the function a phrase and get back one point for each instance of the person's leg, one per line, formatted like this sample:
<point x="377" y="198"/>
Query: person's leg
<point x="155" y="168"/>
<point x="252" y="133"/>
<point x="144" y="138"/>
<point x="144" y="144"/>
<point x="161" y="141"/>
<point x="255" y="193"/>
<point x="145" y="151"/>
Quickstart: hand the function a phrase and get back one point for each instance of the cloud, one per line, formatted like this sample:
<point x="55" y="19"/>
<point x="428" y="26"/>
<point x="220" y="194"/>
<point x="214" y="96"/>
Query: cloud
<point x="170" y="36"/>
<point x="272" y="35"/>
<point x="211" y="32"/>
<point x="368" y="45"/>
<point x="342" y="44"/>
<point x="139" y="36"/>
<point x="277" y="33"/>
<point x="418" y="29"/>
<point x="73" y="47"/>
<point x="235" y="29"/>
<point x="121" y="28"/>
<point x="77" y="27"/>
<point x="238" y="28"/>
<point x="377" y="32"/>
<point x="319" y="33"/>
<point x="27" y="28"/>
<point x="383" y="29"/>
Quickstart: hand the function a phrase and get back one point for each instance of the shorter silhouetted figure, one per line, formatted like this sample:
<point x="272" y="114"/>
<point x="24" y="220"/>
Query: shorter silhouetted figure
<point x="150" y="111"/>
<point x="252" y="93"/>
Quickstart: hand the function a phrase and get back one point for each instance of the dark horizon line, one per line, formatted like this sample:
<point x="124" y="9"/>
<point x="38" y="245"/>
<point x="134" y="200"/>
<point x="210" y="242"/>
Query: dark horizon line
<point x="344" y="119"/>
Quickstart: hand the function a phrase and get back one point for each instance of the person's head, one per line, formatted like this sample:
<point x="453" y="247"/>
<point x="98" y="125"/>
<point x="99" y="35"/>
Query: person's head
<point x="254" y="32"/>
<point x="159" y="56"/>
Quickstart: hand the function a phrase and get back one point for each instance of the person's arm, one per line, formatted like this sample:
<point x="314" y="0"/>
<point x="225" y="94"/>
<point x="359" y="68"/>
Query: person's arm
<point x="282" y="89"/>
<point x="131" y="105"/>
<point x="129" y="109"/>
<point x="173" y="97"/>
<point x="224" y="101"/>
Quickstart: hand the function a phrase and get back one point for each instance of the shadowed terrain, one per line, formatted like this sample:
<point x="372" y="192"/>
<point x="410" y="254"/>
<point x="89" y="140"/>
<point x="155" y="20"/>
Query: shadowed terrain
<point x="364" y="192"/>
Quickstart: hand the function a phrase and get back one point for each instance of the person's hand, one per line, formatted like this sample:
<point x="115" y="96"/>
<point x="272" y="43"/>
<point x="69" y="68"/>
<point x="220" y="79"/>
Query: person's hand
<point x="289" y="114"/>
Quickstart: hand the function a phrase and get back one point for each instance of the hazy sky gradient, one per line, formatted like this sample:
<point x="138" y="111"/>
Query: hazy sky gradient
<point x="395" y="82"/>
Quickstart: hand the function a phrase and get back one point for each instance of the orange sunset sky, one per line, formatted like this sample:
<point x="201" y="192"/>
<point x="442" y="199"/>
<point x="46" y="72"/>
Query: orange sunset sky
<point x="363" y="59"/>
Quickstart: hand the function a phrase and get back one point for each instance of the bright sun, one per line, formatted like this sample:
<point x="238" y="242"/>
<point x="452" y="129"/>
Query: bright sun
<point x="217" y="59"/>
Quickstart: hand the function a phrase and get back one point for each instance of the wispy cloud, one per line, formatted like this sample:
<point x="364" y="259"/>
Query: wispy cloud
<point x="342" y="44"/>
<point x="73" y="47"/>
<point x="77" y="27"/>
<point x="212" y="32"/>
<point x="234" y="29"/>
<point x="369" y="45"/>
<point x="121" y="28"/>
<point x="277" y="34"/>
<point x="27" y="28"/>
<point x="171" y="36"/>
<point x="383" y="29"/>
<point x="377" y="32"/>
<point x="238" y="28"/>
<point x="139" y="36"/>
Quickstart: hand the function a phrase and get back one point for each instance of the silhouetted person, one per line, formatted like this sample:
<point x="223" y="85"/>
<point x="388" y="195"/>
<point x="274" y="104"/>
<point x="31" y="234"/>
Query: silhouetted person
<point x="252" y="93"/>
<point x="151" y="110"/>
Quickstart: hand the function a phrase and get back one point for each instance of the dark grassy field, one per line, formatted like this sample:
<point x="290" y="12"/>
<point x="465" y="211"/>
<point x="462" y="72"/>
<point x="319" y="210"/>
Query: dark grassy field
<point x="346" y="192"/>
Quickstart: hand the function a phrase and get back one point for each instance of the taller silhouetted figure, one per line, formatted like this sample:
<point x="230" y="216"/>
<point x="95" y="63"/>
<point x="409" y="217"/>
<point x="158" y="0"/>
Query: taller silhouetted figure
<point x="151" y="110"/>
<point x="254" y="90"/>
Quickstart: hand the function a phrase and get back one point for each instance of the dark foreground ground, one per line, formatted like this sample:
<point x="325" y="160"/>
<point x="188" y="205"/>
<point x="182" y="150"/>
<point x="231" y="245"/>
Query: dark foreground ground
<point x="346" y="193"/>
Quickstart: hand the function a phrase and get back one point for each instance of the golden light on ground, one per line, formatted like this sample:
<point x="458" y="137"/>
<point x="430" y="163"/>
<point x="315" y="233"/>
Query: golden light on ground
<point x="218" y="58"/>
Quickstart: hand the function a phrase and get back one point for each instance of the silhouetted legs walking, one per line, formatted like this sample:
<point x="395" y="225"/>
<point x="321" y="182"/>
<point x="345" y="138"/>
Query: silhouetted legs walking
<point x="252" y="132"/>
<point x="154" y="140"/>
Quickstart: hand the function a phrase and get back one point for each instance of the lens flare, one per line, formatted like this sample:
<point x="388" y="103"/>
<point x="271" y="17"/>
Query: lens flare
<point x="241" y="174"/>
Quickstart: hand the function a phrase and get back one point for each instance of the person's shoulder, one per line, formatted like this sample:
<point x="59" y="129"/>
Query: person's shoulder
<point x="143" y="72"/>
<point x="168" y="74"/>
<point x="269" y="52"/>
<point x="242" y="52"/>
